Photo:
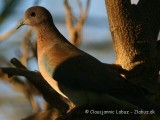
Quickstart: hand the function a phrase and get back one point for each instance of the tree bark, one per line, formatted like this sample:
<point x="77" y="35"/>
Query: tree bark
<point x="134" y="30"/>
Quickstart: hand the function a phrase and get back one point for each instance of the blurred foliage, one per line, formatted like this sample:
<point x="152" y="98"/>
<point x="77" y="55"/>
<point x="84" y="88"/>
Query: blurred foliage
<point x="8" y="8"/>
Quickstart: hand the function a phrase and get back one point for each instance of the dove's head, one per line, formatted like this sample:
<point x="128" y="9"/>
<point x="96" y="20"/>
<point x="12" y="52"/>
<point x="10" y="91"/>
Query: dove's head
<point x="36" y="16"/>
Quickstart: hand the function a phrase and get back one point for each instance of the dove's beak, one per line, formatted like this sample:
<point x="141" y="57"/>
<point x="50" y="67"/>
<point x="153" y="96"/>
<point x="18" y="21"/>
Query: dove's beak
<point x="22" y="22"/>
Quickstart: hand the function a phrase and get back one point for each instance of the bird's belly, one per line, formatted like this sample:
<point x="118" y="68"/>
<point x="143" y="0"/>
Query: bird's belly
<point x="47" y="72"/>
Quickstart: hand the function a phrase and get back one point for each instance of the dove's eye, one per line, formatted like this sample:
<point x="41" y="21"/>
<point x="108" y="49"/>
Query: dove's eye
<point x="33" y="14"/>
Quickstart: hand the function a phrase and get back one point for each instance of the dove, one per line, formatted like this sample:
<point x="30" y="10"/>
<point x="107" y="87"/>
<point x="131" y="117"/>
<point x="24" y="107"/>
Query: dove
<point x="73" y="73"/>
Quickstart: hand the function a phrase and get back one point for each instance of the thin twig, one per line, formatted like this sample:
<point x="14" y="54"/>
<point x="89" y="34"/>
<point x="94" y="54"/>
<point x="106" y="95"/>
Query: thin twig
<point x="7" y="34"/>
<point x="75" y="30"/>
<point x="80" y="7"/>
<point x="25" y="47"/>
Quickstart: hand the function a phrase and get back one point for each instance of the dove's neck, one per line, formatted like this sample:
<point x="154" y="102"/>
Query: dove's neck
<point x="47" y="35"/>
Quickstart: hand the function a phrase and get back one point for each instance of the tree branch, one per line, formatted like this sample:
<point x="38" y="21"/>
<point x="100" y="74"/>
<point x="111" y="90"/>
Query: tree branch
<point x="134" y="30"/>
<point x="51" y="96"/>
<point x="75" y="29"/>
